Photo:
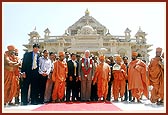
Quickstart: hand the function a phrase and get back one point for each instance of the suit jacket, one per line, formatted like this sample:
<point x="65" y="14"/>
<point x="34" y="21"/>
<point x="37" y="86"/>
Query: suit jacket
<point x="27" y="63"/>
<point x="91" y="73"/>
<point x="112" y="77"/>
<point x="71" y="69"/>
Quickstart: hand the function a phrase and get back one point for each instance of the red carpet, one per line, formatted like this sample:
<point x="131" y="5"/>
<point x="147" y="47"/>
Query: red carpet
<point x="78" y="107"/>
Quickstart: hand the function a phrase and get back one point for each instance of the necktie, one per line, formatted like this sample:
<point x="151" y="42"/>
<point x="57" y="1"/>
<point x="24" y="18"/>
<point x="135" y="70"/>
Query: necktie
<point x="35" y="62"/>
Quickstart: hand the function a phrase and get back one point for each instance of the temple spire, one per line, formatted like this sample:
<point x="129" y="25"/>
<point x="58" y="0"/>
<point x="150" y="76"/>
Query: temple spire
<point x="87" y="12"/>
<point x="35" y="28"/>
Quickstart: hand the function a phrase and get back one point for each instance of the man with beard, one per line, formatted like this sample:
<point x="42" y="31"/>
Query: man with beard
<point x="156" y="78"/>
<point x="10" y="78"/>
<point x="137" y="78"/>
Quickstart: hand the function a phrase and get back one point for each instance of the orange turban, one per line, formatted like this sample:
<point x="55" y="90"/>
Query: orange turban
<point x="11" y="48"/>
<point x="118" y="58"/>
<point x="102" y="57"/>
<point x="61" y="54"/>
<point x="135" y="54"/>
<point x="158" y="49"/>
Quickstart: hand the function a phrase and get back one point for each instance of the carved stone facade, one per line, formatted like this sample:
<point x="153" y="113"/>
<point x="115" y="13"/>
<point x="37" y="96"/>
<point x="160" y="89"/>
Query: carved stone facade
<point x="88" y="33"/>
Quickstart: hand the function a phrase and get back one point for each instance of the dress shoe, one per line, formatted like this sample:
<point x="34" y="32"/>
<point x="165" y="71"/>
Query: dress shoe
<point x="82" y="100"/>
<point x="41" y="102"/>
<point x="34" y="103"/>
<point x="88" y="100"/>
<point x="23" y="104"/>
<point x="11" y="104"/>
<point x="159" y="103"/>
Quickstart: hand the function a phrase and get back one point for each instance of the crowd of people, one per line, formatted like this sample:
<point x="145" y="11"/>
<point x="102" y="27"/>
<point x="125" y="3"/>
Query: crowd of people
<point x="68" y="77"/>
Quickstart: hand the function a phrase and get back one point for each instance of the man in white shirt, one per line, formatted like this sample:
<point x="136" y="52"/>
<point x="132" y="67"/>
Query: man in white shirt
<point x="49" y="84"/>
<point x="44" y="70"/>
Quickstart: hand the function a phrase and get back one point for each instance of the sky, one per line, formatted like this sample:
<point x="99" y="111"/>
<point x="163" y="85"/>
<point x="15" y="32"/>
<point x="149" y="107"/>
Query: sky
<point x="19" y="19"/>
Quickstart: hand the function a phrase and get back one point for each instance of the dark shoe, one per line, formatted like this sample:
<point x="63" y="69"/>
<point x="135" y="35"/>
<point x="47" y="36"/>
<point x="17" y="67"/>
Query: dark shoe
<point x="88" y="101"/>
<point x="11" y="104"/>
<point x="67" y="101"/>
<point x="41" y="102"/>
<point x="130" y="99"/>
<point x="82" y="100"/>
<point x="133" y="100"/>
<point x="17" y="100"/>
<point x="23" y="104"/>
<point x="159" y="103"/>
<point x="34" y="103"/>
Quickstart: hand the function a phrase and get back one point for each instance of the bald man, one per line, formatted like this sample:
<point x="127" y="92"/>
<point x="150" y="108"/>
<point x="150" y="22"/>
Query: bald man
<point x="59" y="77"/>
<point x="102" y="77"/>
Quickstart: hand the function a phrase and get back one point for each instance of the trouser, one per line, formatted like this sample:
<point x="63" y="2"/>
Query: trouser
<point x="70" y="88"/>
<point x="86" y="89"/>
<point x="109" y="91"/>
<point x="48" y="91"/>
<point x="126" y="92"/>
<point x="78" y="90"/>
<point x="94" y="96"/>
<point x="43" y="80"/>
<point x="33" y="79"/>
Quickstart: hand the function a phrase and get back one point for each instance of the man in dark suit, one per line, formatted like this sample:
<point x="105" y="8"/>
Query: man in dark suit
<point x="78" y="82"/>
<point x="86" y="74"/>
<point x="125" y="59"/>
<point x="72" y="76"/>
<point x="30" y="67"/>
<point x="94" y="96"/>
<point x="110" y="61"/>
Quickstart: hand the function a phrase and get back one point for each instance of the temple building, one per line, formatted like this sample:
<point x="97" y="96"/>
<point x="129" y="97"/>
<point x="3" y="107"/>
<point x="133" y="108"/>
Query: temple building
<point x="88" y="33"/>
